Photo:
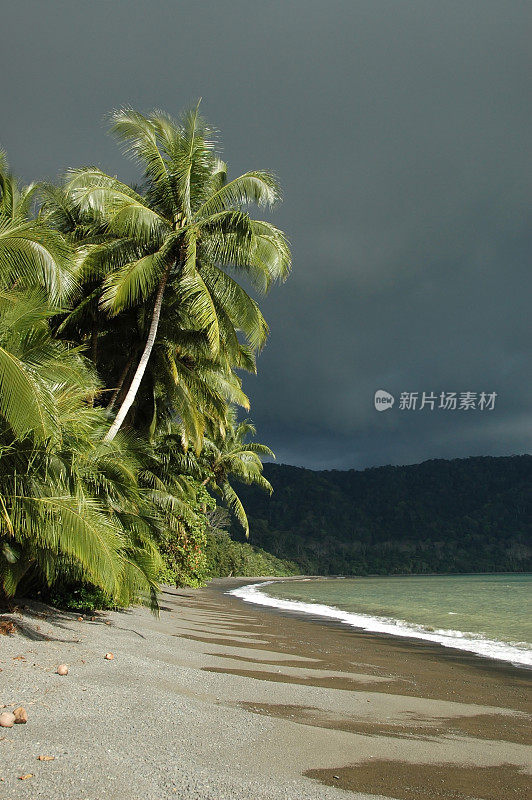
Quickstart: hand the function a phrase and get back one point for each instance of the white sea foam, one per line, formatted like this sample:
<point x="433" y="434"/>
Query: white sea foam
<point x="518" y="653"/>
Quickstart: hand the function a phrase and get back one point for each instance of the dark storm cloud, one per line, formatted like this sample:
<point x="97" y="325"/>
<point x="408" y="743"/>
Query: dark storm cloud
<point x="401" y="132"/>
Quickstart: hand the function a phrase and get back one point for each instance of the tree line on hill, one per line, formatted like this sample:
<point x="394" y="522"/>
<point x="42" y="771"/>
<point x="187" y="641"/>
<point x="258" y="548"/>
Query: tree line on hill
<point x="458" y="516"/>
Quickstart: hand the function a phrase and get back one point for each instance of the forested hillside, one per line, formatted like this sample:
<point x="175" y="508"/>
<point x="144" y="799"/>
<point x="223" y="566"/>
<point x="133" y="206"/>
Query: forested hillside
<point x="465" y="515"/>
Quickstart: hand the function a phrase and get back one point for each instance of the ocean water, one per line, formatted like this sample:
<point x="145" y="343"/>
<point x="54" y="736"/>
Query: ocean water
<point x="489" y="615"/>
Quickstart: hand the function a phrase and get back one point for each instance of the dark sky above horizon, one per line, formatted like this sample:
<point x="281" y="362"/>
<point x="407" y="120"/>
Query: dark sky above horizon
<point x="401" y="132"/>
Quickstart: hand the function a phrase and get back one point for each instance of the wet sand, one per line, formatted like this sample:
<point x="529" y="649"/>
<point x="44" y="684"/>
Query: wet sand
<point x="221" y="699"/>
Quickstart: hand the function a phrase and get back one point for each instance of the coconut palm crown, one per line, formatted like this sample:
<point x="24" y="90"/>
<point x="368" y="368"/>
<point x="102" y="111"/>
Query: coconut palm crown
<point x="169" y="248"/>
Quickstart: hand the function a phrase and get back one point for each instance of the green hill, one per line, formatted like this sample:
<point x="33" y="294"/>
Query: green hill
<point x="465" y="515"/>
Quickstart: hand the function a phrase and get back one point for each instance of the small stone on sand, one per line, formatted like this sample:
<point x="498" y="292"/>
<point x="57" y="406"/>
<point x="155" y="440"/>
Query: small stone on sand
<point x="21" y="715"/>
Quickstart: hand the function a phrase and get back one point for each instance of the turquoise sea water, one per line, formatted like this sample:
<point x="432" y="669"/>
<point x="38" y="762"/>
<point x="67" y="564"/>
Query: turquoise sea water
<point x="485" y="614"/>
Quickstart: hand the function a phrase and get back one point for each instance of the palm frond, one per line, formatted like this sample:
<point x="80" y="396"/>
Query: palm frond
<point x="80" y="530"/>
<point x="260" y="188"/>
<point x="132" y="283"/>
<point x="242" y="310"/>
<point x="120" y="208"/>
<point x="139" y="136"/>
<point x="195" y="296"/>
<point x="32" y="254"/>
<point x="235" y="504"/>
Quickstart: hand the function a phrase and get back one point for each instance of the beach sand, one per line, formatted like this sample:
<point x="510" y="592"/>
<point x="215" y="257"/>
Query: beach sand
<point x="218" y="699"/>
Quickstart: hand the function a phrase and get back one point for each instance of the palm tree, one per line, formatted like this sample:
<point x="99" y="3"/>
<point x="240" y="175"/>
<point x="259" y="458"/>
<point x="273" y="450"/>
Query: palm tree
<point x="183" y="378"/>
<point x="172" y="243"/>
<point x="233" y="456"/>
<point x="65" y="496"/>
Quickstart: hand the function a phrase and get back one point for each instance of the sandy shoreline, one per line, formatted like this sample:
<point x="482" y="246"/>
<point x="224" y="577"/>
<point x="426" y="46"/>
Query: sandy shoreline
<point x="218" y="699"/>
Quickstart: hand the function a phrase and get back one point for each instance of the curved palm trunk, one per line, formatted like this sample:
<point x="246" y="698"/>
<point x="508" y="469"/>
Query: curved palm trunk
<point x="121" y="382"/>
<point x="94" y="342"/>
<point x="143" y="363"/>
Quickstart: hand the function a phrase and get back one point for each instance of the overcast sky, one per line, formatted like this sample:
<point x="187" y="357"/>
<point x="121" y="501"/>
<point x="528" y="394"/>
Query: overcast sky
<point x="401" y="132"/>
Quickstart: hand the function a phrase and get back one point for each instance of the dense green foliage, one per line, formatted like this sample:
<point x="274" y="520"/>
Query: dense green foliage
<point x="122" y="329"/>
<point x="184" y="549"/>
<point x="226" y="557"/>
<point x="465" y="515"/>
